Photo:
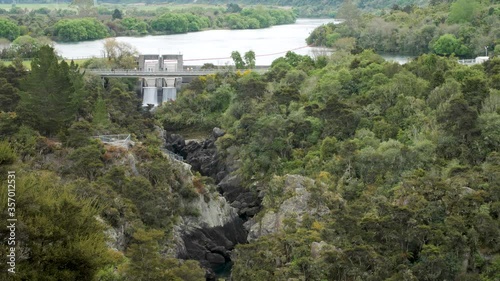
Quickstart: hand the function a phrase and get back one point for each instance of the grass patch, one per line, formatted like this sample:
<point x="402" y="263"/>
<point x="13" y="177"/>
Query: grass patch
<point x="51" y="6"/>
<point x="138" y="6"/>
<point x="27" y="63"/>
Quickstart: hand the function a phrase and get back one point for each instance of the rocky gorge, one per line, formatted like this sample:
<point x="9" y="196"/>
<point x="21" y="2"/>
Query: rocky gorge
<point x="221" y="224"/>
<point x="233" y="213"/>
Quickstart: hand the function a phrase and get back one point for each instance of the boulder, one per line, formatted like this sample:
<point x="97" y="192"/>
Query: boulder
<point x="217" y="133"/>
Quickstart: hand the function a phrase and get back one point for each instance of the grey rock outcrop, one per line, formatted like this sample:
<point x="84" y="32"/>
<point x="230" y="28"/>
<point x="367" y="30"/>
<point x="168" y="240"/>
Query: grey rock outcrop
<point x="210" y="236"/>
<point x="246" y="201"/>
<point x="296" y="206"/>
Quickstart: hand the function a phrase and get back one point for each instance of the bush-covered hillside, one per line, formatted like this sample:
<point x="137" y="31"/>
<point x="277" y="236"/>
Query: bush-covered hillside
<point x="370" y="170"/>
<point x="87" y="210"/>
<point x="463" y="28"/>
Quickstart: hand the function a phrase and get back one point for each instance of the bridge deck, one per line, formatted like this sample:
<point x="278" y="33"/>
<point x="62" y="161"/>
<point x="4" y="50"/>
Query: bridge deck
<point x="185" y="73"/>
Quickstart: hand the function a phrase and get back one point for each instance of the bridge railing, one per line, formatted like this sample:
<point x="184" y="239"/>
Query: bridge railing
<point x="123" y="139"/>
<point x="468" y="61"/>
<point x="200" y="72"/>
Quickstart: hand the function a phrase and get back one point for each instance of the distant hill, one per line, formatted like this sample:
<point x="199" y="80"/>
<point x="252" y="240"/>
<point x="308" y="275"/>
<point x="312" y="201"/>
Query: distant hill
<point x="364" y="4"/>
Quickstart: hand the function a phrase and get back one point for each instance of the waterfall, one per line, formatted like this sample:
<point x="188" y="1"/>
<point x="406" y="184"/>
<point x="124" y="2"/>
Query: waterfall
<point x="169" y="94"/>
<point x="150" y="96"/>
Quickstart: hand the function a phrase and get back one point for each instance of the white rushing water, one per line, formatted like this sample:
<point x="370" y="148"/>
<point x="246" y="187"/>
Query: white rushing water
<point x="150" y="96"/>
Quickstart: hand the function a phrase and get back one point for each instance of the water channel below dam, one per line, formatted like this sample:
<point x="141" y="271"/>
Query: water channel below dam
<point x="215" y="46"/>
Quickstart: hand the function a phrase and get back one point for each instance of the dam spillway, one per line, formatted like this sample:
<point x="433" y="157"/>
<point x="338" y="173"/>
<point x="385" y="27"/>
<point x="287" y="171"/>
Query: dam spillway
<point x="157" y="90"/>
<point x="169" y="94"/>
<point x="150" y="96"/>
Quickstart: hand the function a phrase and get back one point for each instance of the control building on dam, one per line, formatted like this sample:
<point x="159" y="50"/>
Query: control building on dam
<point x="156" y="90"/>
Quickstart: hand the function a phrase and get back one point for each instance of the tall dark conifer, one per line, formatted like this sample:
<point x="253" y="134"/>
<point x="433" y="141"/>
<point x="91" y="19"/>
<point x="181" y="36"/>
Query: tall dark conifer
<point x="51" y="93"/>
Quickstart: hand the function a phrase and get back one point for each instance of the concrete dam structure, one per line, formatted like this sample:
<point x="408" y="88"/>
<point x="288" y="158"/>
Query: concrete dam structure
<point x="158" y="90"/>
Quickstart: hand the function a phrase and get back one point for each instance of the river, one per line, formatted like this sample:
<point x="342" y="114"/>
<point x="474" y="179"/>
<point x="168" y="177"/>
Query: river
<point x="215" y="46"/>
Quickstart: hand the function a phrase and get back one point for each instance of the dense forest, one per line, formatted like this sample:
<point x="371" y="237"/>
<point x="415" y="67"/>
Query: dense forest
<point x="463" y="28"/>
<point x="66" y="179"/>
<point x="341" y="167"/>
<point x="371" y="170"/>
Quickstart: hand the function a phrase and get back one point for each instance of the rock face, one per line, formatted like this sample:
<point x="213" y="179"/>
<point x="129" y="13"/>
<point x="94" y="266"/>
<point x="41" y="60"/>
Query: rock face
<point x="203" y="157"/>
<point x="297" y="205"/>
<point x="247" y="202"/>
<point x="200" y="154"/>
<point x="210" y="237"/>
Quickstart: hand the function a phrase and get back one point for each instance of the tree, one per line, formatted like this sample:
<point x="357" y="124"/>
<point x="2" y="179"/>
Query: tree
<point x="120" y="54"/>
<point x="60" y="237"/>
<point x="146" y="263"/>
<point x="238" y="61"/>
<point x="462" y="11"/>
<point x="350" y="13"/>
<point x="84" y="6"/>
<point x="448" y="44"/>
<point x="73" y="30"/>
<point x="233" y="8"/>
<point x="250" y="59"/>
<point x="87" y="161"/>
<point x="51" y="93"/>
<point x="8" y="96"/>
<point x="7" y="154"/>
<point x="26" y="46"/>
<point x="117" y="14"/>
<point x="100" y="118"/>
<point x="171" y="23"/>
<point x="8" y="29"/>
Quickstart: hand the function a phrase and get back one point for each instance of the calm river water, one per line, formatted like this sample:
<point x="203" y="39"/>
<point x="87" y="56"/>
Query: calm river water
<point x="213" y="46"/>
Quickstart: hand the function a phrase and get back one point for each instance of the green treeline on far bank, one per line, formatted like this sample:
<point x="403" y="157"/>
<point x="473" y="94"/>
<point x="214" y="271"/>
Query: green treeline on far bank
<point x="465" y="28"/>
<point x="87" y="23"/>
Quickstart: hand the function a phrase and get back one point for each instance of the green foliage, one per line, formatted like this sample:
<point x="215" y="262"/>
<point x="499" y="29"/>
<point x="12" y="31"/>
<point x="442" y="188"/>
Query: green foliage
<point x="79" y="134"/>
<point x="8" y="29"/>
<point x="250" y="59"/>
<point x="462" y="11"/>
<point x="447" y="45"/>
<point x="9" y="96"/>
<point x="73" y="30"/>
<point x="65" y="239"/>
<point x="179" y="23"/>
<point x="413" y="30"/>
<point x="157" y="267"/>
<point x="135" y="24"/>
<point x="238" y="61"/>
<point x="87" y="161"/>
<point x="26" y="46"/>
<point x="117" y="14"/>
<point x="52" y="93"/>
<point x="100" y="114"/>
<point x="7" y="155"/>
<point x="247" y="63"/>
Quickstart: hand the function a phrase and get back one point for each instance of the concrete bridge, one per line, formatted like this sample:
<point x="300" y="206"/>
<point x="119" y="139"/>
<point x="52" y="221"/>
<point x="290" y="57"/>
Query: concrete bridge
<point x="164" y="74"/>
<point x="477" y="60"/>
<point x="160" y="85"/>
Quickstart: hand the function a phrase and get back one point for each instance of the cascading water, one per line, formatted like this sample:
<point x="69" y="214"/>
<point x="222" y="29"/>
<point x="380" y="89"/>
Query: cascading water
<point x="169" y="94"/>
<point x="150" y="96"/>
